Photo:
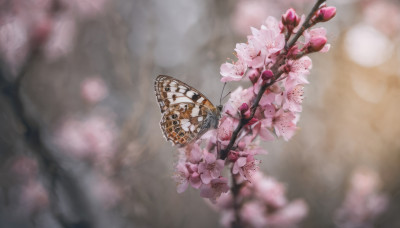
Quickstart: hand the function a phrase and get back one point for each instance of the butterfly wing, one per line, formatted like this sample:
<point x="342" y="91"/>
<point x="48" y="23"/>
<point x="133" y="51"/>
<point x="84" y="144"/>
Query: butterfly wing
<point x="184" y="110"/>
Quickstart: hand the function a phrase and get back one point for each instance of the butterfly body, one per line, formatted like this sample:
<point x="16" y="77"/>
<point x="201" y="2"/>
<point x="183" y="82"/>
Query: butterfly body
<point x="186" y="113"/>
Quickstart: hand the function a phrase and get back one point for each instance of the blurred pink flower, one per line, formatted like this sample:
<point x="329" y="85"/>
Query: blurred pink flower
<point x="61" y="38"/>
<point x="85" y="8"/>
<point x="186" y="173"/>
<point x="13" y="43"/>
<point x="94" y="89"/>
<point x="192" y="153"/>
<point x="210" y="168"/>
<point x="363" y="202"/>
<point x="291" y="214"/>
<point x="377" y="14"/>
<point x="249" y="13"/>
<point x="93" y="137"/>
<point x="34" y="197"/>
<point x="269" y="190"/>
<point x="25" y="167"/>
<point x="106" y="191"/>
<point x="254" y="214"/>
<point x="181" y="177"/>
<point x="214" y="189"/>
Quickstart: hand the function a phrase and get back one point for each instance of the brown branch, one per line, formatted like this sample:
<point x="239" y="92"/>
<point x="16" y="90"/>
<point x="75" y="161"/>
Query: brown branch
<point x="276" y="72"/>
<point x="50" y="166"/>
<point x="237" y="223"/>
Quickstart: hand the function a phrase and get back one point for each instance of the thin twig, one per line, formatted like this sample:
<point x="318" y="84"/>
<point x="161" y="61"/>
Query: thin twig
<point x="49" y="165"/>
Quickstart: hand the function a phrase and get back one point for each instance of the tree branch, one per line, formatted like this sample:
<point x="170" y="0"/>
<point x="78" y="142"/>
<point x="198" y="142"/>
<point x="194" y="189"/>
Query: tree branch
<point x="50" y="166"/>
<point x="275" y="70"/>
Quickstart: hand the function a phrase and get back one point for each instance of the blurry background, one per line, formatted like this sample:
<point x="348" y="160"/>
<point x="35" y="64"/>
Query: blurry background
<point x="87" y="69"/>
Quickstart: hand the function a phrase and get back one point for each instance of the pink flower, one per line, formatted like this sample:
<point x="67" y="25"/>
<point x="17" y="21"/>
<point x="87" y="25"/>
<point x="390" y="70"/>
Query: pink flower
<point x="250" y="53"/>
<point x="283" y="123"/>
<point x="61" y="38"/>
<point x="25" y="167"/>
<point x="13" y="43"/>
<point x="290" y="214"/>
<point x="245" y="166"/>
<point x="237" y="98"/>
<point x="254" y="214"/>
<point x="181" y="177"/>
<point x="261" y="129"/>
<point x="363" y="202"/>
<point x="298" y="70"/>
<point x="272" y="24"/>
<point x="192" y="153"/>
<point x="269" y="190"/>
<point x="92" y="137"/>
<point x="106" y="191"/>
<point x="214" y="189"/>
<point x="233" y="72"/>
<point x="34" y="197"/>
<point x="269" y="37"/>
<point x="293" y="98"/>
<point x="226" y="128"/>
<point x="93" y="89"/>
<point x="210" y="168"/>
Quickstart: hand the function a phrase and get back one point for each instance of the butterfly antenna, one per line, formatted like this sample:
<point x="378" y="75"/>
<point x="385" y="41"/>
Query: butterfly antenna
<point x="227" y="95"/>
<point x="220" y="99"/>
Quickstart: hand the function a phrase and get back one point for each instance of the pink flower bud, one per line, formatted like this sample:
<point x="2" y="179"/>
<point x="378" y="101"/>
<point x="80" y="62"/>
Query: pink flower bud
<point x="233" y="156"/>
<point x="267" y="74"/>
<point x="290" y="19"/>
<point x="317" y="43"/>
<point x="243" y="108"/>
<point x="326" y="13"/>
<point x="253" y="76"/>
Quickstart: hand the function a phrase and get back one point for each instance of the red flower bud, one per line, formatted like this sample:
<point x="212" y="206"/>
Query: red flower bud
<point x="290" y="19"/>
<point x="253" y="76"/>
<point x="316" y="44"/>
<point x="243" y="108"/>
<point x="267" y="74"/>
<point x="326" y="13"/>
<point x="233" y="156"/>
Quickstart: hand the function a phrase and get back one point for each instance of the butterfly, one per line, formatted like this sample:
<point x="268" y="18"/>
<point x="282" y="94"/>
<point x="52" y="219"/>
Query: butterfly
<point x="186" y="113"/>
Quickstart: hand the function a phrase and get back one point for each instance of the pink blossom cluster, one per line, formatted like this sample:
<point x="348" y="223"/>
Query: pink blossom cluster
<point x="263" y="204"/>
<point x="92" y="138"/>
<point x="47" y="25"/>
<point x="201" y="169"/>
<point x="274" y="60"/>
<point x="363" y="202"/>
<point x="33" y="197"/>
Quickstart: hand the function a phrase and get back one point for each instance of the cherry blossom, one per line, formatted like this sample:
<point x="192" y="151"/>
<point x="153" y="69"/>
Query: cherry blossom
<point x="245" y="166"/>
<point x="276" y="63"/>
<point x="233" y="71"/>
<point x="214" y="189"/>
<point x="210" y="168"/>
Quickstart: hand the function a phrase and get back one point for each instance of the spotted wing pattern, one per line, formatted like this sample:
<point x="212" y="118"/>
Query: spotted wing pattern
<point x="185" y="111"/>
